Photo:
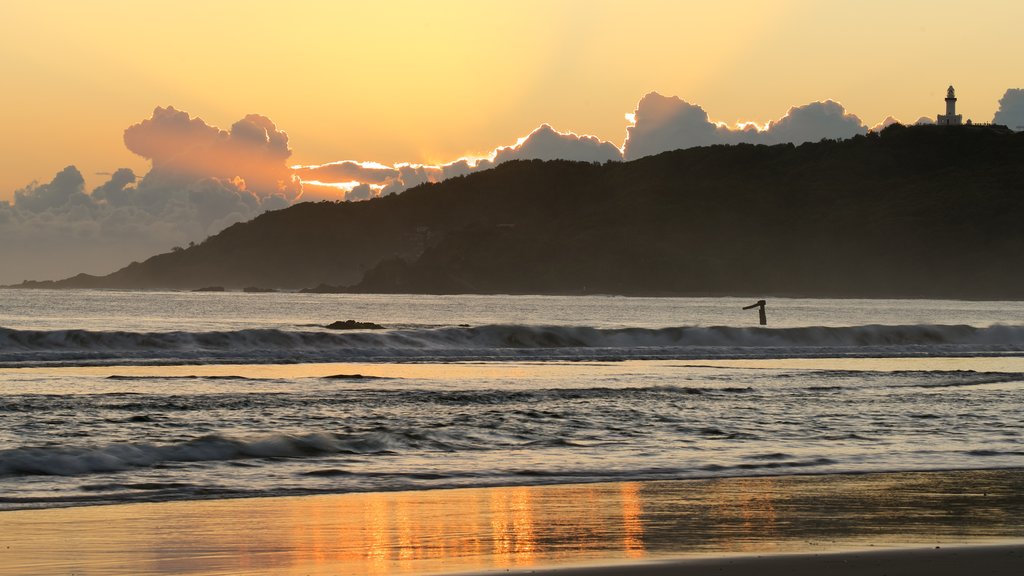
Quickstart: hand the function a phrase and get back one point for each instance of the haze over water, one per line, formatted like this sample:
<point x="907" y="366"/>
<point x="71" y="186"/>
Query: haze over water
<point x="146" y="396"/>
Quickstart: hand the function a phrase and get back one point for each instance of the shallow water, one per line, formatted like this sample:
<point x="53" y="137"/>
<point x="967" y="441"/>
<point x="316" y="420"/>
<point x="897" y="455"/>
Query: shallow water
<point x="125" y="396"/>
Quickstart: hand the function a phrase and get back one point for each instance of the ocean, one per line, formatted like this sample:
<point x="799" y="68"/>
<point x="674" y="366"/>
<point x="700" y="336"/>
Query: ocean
<point x="118" y="396"/>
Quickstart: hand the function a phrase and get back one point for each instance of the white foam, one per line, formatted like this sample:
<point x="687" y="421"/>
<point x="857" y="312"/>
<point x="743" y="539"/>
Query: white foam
<point x="506" y="341"/>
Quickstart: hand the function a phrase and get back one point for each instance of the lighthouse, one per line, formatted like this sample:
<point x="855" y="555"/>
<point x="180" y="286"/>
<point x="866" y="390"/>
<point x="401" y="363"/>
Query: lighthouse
<point x="950" y="118"/>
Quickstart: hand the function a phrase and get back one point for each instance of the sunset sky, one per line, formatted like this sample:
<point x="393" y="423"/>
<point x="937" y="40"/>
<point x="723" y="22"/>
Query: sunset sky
<point x="386" y="83"/>
<point x="432" y="81"/>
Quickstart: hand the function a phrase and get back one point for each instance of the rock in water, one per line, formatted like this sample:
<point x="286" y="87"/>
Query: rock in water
<point x="353" y="325"/>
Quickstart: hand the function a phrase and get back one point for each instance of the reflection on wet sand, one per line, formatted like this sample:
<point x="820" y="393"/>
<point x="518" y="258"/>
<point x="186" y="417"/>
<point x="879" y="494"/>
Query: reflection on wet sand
<point x="515" y="527"/>
<point x="632" y="522"/>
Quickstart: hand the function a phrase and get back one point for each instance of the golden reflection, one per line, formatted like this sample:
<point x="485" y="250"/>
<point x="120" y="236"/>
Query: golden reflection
<point x="632" y="522"/>
<point x="406" y="528"/>
<point x="745" y="513"/>
<point x="753" y="500"/>
<point x="513" y="538"/>
<point x="375" y="529"/>
<point x="487" y="529"/>
<point x="508" y="372"/>
<point x="522" y="526"/>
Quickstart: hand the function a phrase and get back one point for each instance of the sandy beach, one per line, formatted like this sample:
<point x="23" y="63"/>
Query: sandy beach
<point x="936" y="561"/>
<point x="877" y="523"/>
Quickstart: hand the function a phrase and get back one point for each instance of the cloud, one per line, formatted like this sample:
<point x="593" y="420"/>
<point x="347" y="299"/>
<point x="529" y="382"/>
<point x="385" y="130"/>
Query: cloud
<point x="55" y="229"/>
<point x="362" y="192"/>
<point x="254" y="151"/>
<point x="353" y="180"/>
<point x="116" y="191"/>
<point x="545" y="143"/>
<point x="662" y="123"/>
<point x="659" y="123"/>
<point x="347" y="171"/>
<point x="66" y="189"/>
<point x="1011" y="109"/>
<point x="316" y="191"/>
<point x="889" y="121"/>
<point x="210" y="177"/>
<point x="202" y="180"/>
<point x="813" y="122"/>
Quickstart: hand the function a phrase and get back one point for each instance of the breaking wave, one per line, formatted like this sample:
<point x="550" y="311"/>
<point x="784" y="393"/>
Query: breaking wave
<point x="74" y="461"/>
<point x="510" y="341"/>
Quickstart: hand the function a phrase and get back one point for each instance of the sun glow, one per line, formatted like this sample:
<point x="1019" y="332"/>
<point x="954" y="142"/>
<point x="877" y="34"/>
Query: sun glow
<point x="359" y="163"/>
<point x="750" y="125"/>
<point x="583" y="64"/>
<point x="341" y="186"/>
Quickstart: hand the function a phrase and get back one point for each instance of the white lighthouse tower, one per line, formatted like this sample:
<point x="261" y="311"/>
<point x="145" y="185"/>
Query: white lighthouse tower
<point x="950" y="118"/>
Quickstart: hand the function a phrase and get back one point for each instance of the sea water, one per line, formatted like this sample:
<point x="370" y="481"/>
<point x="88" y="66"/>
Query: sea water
<point x="116" y="396"/>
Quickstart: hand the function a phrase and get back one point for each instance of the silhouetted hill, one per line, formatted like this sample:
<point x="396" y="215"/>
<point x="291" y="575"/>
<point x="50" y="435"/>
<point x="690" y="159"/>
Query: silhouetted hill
<point x="913" y="212"/>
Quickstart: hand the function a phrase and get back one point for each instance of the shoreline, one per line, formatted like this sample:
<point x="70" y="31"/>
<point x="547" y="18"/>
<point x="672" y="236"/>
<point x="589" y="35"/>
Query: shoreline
<point x="795" y="474"/>
<point x="526" y="528"/>
<point x="910" y="561"/>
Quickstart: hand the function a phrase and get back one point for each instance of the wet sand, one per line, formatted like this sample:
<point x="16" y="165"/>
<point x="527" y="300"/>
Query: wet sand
<point x="721" y="526"/>
<point x="937" y="561"/>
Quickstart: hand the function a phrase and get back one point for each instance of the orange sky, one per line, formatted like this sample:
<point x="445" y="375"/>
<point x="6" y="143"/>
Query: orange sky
<point x="432" y="81"/>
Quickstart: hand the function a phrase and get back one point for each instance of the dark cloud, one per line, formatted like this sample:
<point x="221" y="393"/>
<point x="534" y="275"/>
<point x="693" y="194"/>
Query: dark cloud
<point x="1011" y="109"/>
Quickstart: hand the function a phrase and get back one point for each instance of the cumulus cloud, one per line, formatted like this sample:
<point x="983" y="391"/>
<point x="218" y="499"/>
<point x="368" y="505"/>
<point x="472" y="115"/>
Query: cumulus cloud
<point x="659" y="123"/>
<point x="545" y="143"/>
<point x="362" y="192"/>
<point x="889" y="121"/>
<point x="347" y="171"/>
<point x="66" y="189"/>
<point x="813" y="122"/>
<point x="253" y="152"/>
<point x="56" y="229"/>
<point x="116" y="191"/>
<point x="1011" y="109"/>
<point x="316" y="191"/>
<point x="353" y="180"/>
<point x="203" y="179"/>
<point x="662" y="123"/>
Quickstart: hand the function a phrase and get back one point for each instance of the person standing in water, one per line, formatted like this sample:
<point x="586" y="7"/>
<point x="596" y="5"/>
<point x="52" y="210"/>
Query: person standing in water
<point x="760" y="304"/>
